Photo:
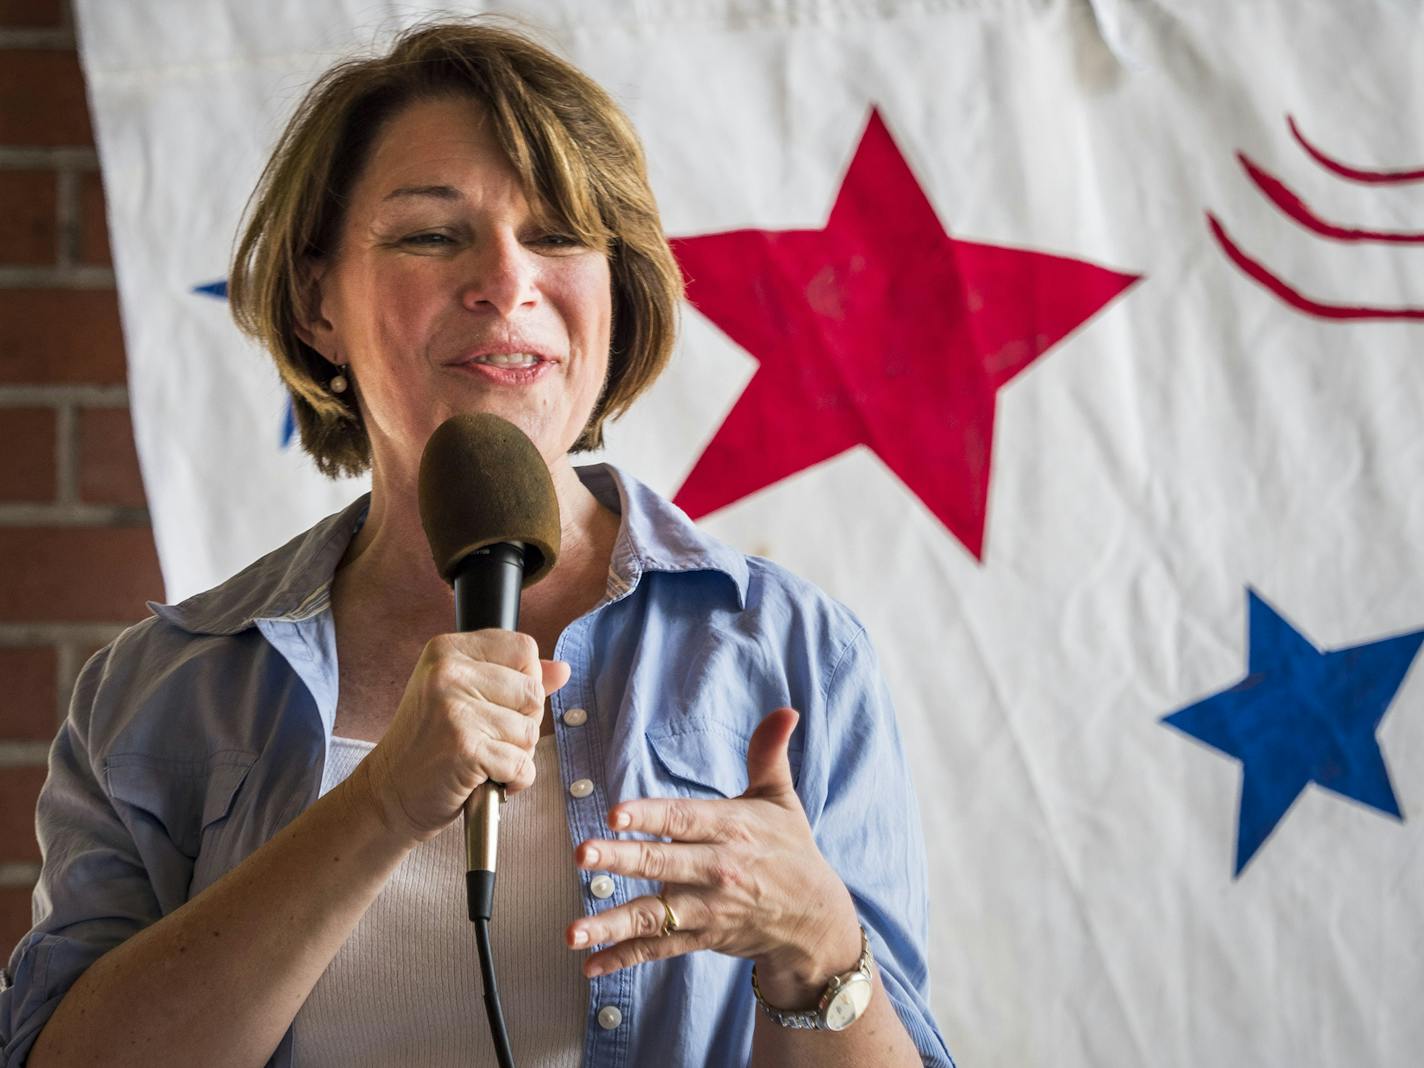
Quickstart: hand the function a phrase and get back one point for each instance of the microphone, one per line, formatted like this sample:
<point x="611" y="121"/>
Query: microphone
<point x="490" y="513"/>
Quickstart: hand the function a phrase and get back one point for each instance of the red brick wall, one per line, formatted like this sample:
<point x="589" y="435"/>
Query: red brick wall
<point x="76" y="551"/>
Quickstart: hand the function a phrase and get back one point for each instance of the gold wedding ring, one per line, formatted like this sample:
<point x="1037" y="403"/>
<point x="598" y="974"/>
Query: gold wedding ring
<point x="670" y="923"/>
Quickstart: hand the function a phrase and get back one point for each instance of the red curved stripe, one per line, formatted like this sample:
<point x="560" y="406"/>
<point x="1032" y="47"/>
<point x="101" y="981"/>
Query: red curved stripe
<point x="1354" y="174"/>
<point x="1295" y="298"/>
<point x="1282" y="197"/>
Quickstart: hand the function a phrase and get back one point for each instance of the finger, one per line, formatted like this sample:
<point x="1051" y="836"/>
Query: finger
<point x="523" y="778"/>
<point x="768" y="765"/>
<point x="509" y="648"/>
<point x="510" y="765"/>
<point x="556" y="674"/>
<point x="641" y="951"/>
<point x="500" y="724"/>
<point x="642" y="917"/>
<point x="679" y="818"/>
<point x="660" y="862"/>
<point x="490" y="683"/>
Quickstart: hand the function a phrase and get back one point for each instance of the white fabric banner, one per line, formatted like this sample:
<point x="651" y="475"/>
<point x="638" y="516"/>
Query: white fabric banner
<point x="1075" y="346"/>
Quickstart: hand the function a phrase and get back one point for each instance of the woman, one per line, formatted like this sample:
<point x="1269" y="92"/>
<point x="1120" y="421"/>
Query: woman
<point x="250" y="834"/>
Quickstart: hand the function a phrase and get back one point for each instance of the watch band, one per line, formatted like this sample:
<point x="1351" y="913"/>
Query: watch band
<point x="815" y="1019"/>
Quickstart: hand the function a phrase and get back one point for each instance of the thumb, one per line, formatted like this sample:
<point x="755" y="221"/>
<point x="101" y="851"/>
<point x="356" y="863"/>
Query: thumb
<point x="768" y="767"/>
<point x="556" y="673"/>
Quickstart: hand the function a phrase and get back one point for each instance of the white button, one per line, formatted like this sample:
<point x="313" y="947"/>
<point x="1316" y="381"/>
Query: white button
<point x="575" y="717"/>
<point x="609" y="1017"/>
<point x="581" y="787"/>
<point x="601" y="886"/>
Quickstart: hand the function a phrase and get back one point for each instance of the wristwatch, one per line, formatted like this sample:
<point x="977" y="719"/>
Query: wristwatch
<point x="844" y="1000"/>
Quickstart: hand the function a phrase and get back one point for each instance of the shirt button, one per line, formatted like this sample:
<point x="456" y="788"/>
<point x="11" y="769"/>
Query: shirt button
<point x="581" y="787"/>
<point x="609" y="1017"/>
<point x="575" y="717"/>
<point x="601" y="887"/>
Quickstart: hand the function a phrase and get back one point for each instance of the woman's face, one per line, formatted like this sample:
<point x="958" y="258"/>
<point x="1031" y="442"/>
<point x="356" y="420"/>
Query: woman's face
<point x="447" y="295"/>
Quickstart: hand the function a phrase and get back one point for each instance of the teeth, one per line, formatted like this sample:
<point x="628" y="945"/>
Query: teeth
<point x="513" y="359"/>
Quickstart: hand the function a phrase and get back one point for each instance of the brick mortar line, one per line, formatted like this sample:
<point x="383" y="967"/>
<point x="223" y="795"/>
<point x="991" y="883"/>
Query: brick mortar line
<point x="72" y="514"/>
<point x="56" y="278"/>
<point x="80" y="158"/>
<point x="66" y="455"/>
<point x="56" y="38"/>
<point x="23" y="754"/>
<point x="68" y="222"/>
<point x="19" y="635"/>
<point x="14" y="875"/>
<point x="67" y="664"/>
<point x="79" y="396"/>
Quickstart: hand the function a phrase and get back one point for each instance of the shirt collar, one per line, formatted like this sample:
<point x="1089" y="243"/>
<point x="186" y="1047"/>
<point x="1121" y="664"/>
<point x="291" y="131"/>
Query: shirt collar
<point x="294" y="582"/>
<point x="657" y="535"/>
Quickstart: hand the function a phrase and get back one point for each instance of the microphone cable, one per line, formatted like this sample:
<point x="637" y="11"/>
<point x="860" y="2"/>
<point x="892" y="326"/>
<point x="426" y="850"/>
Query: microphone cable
<point x="481" y="840"/>
<point x="480" y="885"/>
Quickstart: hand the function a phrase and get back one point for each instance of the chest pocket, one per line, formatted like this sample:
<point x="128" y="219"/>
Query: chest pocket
<point x="184" y="798"/>
<point x="708" y="761"/>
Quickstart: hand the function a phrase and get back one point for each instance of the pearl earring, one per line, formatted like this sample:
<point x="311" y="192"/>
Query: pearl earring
<point x="338" y="383"/>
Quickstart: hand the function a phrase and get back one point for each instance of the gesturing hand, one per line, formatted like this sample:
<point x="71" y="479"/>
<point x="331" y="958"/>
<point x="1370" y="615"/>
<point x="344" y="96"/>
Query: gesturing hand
<point x="743" y="876"/>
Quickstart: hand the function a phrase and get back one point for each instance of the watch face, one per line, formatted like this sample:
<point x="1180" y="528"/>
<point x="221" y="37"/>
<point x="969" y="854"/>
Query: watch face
<point x="849" y="1002"/>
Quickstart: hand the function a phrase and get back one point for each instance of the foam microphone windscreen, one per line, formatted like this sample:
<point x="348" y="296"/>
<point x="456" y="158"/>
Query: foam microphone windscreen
<point x="482" y="481"/>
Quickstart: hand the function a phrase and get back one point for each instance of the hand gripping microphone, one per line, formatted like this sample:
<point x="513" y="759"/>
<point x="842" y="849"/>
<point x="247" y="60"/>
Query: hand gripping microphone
<point x="490" y="513"/>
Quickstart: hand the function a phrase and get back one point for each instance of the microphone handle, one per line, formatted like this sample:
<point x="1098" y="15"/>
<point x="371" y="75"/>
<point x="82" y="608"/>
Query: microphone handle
<point x="487" y="586"/>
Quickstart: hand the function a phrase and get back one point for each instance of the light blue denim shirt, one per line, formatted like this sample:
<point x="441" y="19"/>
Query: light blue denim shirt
<point x="199" y="733"/>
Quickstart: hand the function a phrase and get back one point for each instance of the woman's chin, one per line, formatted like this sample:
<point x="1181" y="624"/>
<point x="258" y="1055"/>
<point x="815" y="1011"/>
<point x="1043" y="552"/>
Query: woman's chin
<point x="553" y="443"/>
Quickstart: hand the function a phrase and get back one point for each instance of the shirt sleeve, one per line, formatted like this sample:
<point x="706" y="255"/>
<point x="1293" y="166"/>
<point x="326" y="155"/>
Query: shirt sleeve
<point x="868" y="828"/>
<point x="93" y="890"/>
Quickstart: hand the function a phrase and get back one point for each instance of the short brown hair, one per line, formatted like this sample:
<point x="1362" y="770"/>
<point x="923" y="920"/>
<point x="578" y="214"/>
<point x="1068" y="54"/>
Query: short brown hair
<point x="576" y="155"/>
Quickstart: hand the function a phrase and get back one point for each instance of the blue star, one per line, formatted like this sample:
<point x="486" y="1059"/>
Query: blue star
<point x="218" y="289"/>
<point x="1301" y="716"/>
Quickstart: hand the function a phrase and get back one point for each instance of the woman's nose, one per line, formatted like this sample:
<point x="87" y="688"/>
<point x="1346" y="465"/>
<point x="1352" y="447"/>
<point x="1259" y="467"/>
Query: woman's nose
<point x="501" y="277"/>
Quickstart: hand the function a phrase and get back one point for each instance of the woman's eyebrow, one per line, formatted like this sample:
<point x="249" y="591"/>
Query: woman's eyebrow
<point x="439" y="192"/>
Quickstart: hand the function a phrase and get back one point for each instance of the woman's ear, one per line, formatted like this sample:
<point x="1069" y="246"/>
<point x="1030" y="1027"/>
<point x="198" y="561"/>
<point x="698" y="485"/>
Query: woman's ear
<point x="311" y="324"/>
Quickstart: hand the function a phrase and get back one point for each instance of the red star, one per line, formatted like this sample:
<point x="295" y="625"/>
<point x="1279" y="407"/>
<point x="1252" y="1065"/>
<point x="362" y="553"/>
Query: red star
<point x="878" y="330"/>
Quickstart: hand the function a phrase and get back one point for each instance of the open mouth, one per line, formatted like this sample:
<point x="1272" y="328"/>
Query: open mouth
<point x="509" y="359"/>
<point x="517" y="368"/>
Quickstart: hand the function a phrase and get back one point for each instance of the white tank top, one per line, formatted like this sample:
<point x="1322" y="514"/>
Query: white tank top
<point x="405" y="986"/>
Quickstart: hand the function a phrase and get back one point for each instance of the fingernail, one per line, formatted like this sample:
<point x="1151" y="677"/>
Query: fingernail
<point x="590" y="855"/>
<point x="622" y="820"/>
<point x="580" y="938"/>
<point x="593" y="971"/>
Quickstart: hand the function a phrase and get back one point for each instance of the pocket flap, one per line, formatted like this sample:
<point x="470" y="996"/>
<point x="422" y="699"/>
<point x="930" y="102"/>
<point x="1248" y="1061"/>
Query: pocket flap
<point x="708" y="759"/>
<point x="184" y="796"/>
<point x="223" y="781"/>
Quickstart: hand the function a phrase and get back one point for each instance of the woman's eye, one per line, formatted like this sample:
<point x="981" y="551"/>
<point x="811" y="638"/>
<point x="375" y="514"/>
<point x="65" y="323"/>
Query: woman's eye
<point x="429" y="239"/>
<point x="558" y="241"/>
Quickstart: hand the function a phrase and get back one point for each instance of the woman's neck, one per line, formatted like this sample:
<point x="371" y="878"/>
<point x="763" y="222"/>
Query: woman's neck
<point x="388" y="569"/>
